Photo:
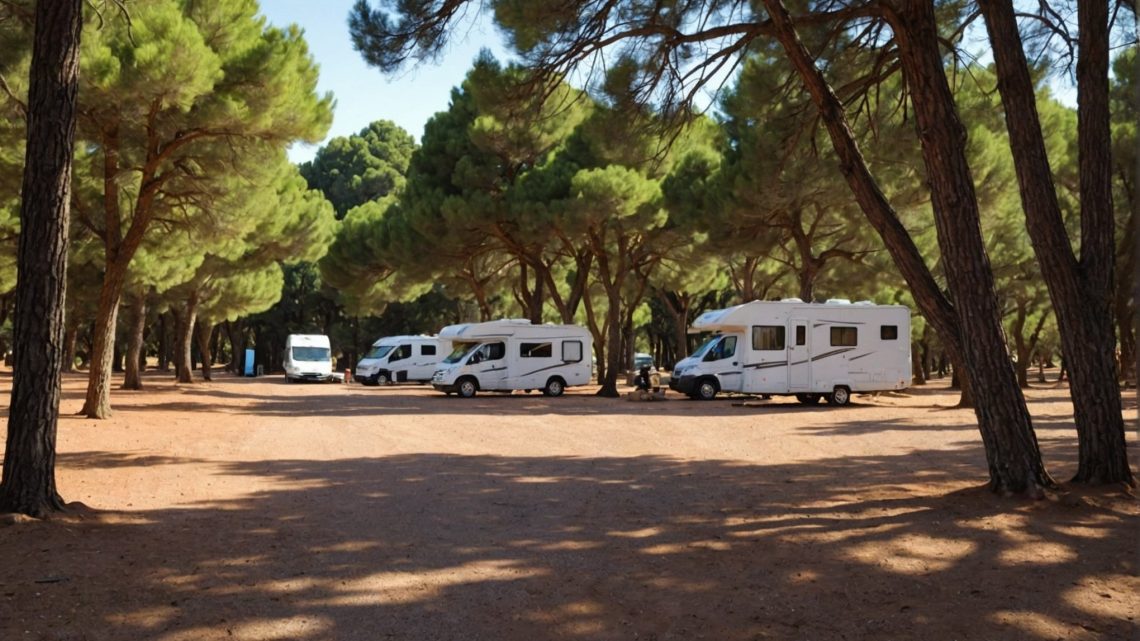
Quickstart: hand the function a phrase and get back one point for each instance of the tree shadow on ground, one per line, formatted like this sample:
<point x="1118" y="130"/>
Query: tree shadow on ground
<point x="439" y="546"/>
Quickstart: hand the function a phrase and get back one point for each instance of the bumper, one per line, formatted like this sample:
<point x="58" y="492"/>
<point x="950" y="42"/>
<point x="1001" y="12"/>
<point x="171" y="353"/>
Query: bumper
<point x="447" y="389"/>
<point x="683" y="384"/>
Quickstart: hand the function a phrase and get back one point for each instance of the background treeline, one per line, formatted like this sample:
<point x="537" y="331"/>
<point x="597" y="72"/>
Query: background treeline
<point x="193" y="237"/>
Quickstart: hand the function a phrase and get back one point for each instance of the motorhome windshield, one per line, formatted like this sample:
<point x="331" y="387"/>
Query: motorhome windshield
<point x="311" y="354"/>
<point x="461" y="350"/>
<point x="700" y="351"/>
<point x="379" y="351"/>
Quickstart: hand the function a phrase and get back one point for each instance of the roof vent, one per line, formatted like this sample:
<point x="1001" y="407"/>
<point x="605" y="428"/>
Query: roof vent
<point x="791" y="300"/>
<point x="837" y="301"/>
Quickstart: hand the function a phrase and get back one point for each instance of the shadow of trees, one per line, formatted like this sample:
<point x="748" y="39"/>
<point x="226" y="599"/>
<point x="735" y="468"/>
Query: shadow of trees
<point x="440" y="546"/>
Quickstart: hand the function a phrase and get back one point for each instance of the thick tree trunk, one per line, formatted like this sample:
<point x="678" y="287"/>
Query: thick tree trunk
<point x="1003" y="419"/>
<point x="28" y="482"/>
<point x="164" y="342"/>
<point x="98" y="401"/>
<point x="613" y="349"/>
<point x="1081" y="291"/>
<point x="237" y="345"/>
<point x="185" y="342"/>
<point x="136" y="335"/>
<point x="204" y="331"/>
<point x="918" y="377"/>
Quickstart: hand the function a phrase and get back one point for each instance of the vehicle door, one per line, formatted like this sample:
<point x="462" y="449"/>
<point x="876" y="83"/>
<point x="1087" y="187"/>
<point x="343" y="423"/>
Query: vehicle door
<point x="490" y="365"/>
<point x="399" y="361"/>
<point x="725" y="364"/>
<point x="799" y="355"/>
<point x="425" y="361"/>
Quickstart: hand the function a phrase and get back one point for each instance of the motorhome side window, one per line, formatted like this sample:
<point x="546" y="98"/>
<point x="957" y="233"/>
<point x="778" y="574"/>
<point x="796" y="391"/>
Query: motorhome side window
<point x="402" y="352"/>
<point x="801" y="335"/>
<point x="844" y="336"/>
<point x="427" y="350"/>
<point x="889" y="332"/>
<point x="495" y="351"/>
<point x="726" y="348"/>
<point x="536" y="350"/>
<point x="571" y="351"/>
<point x="768" y="337"/>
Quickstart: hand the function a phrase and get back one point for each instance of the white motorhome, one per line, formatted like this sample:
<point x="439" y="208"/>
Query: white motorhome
<point x="814" y="351"/>
<point x="402" y="359"/>
<point x="513" y="354"/>
<point x="308" y="357"/>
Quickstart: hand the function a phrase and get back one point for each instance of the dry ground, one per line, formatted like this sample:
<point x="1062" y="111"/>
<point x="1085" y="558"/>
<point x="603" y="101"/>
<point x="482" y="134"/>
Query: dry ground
<point x="250" y="509"/>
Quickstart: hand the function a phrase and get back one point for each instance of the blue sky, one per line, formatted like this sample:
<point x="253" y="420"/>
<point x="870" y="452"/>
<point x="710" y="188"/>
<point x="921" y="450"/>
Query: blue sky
<point x="363" y="94"/>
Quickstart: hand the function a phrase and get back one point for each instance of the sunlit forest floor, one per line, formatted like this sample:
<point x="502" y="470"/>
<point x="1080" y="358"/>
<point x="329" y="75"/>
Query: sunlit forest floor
<point x="252" y="509"/>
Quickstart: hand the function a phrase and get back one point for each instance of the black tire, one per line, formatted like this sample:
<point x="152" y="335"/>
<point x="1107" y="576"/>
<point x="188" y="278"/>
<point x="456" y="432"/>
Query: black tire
<point x="467" y="387"/>
<point x="839" y="397"/>
<point x="382" y="379"/>
<point x="554" y="387"/>
<point x="707" y="389"/>
<point x="808" y="399"/>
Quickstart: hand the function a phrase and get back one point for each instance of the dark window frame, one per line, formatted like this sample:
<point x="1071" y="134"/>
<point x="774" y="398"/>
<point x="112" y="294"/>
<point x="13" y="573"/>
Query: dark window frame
<point x="527" y="350"/>
<point x="844" y="336"/>
<point x="888" y="332"/>
<point x="581" y="351"/>
<point x="779" y="338"/>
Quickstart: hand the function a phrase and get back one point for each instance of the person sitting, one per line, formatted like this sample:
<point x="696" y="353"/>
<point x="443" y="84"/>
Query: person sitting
<point x="641" y="381"/>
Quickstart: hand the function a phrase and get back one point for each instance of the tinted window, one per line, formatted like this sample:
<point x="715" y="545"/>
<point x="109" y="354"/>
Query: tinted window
<point x="495" y="351"/>
<point x="801" y="335"/>
<point x="402" y="352"/>
<point x="536" y="350"/>
<point x="427" y="350"/>
<point x="311" y="354"/>
<point x="889" y="332"/>
<point x="768" y="337"/>
<point x="844" y="336"/>
<point x="571" y="351"/>
<point x="726" y="348"/>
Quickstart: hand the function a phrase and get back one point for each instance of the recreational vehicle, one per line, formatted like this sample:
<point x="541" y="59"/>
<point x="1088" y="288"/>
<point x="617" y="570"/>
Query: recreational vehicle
<point x="308" y="357"/>
<point x="814" y="351"/>
<point x="400" y="359"/>
<point x="513" y="354"/>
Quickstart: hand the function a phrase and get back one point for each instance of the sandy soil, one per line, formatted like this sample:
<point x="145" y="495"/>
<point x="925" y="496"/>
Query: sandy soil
<point x="251" y="509"/>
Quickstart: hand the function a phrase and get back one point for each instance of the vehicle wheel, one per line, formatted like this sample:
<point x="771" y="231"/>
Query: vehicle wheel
<point x="707" y="389"/>
<point x="468" y="387"/>
<point x="808" y="399"/>
<point x="382" y="379"/>
<point x="554" y="387"/>
<point x="839" y="397"/>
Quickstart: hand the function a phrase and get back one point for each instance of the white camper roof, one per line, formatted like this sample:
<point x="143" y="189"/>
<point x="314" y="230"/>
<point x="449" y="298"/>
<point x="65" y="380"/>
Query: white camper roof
<point x="384" y="340"/>
<point x="307" y="340"/>
<point x="743" y="315"/>
<point x="505" y="327"/>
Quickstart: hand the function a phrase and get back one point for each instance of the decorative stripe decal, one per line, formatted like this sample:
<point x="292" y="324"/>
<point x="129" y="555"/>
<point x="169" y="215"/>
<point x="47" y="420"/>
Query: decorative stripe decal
<point x="543" y="369"/>
<point x="832" y="353"/>
<point x="493" y="369"/>
<point x="821" y="322"/>
<point x="855" y="358"/>
<point x="767" y="365"/>
<point x="730" y="373"/>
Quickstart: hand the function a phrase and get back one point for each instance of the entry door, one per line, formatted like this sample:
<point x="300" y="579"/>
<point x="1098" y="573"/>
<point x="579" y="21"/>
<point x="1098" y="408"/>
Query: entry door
<point x="799" y="355"/>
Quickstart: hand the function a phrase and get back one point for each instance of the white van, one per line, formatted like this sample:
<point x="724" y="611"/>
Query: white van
<point x="308" y="357"/>
<point x="400" y="359"/>
<point x="513" y="354"/>
<point x="814" y="351"/>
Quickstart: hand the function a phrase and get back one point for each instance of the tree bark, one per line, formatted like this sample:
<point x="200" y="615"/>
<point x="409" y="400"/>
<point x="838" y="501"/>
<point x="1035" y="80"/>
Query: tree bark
<point x="163" y="342"/>
<point x="28" y="482"/>
<point x="185" y="341"/>
<point x="204" y="331"/>
<point x="132" y="378"/>
<point x="70" y="340"/>
<point x="1012" y="452"/>
<point x="1081" y="290"/>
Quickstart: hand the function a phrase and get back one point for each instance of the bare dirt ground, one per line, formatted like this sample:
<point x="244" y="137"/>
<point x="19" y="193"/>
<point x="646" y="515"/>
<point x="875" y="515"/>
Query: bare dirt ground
<point x="251" y="509"/>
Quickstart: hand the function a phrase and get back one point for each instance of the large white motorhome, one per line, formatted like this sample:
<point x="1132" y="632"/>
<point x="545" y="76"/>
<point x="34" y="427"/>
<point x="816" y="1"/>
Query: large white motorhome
<point x="308" y="357"/>
<point x="402" y="359"/>
<point x="513" y="354"/>
<point x="814" y="351"/>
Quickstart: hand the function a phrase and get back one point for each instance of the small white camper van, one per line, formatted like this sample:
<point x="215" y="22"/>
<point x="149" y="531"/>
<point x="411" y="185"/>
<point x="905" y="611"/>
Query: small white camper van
<point x="308" y="357"/>
<point x="402" y="359"/>
<point x="513" y="354"/>
<point x="814" y="351"/>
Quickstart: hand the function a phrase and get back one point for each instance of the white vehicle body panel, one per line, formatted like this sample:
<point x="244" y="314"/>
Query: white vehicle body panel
<point x="403" y="359"/>
<point x="308" y="357"/>
<point x="513" y="354"/>
<point x="791" y="347"/>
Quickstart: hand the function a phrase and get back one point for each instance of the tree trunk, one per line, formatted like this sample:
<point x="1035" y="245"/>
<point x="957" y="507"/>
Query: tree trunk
<point x="163" y="342"/>
<point x="70" y="340"/>
<point x="917" y="375"/>
<point x="205" y="330"/>
<point x="613" y="348"/>
<point x="185" y="341"/>
<point x="237" y="345"/>
<point x="1081" y="291"/>
<point x="28" y="482"/>
<point x="132" y="378"/>
<point x="98" y="401"/>
<point x="1012" y="452"/>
